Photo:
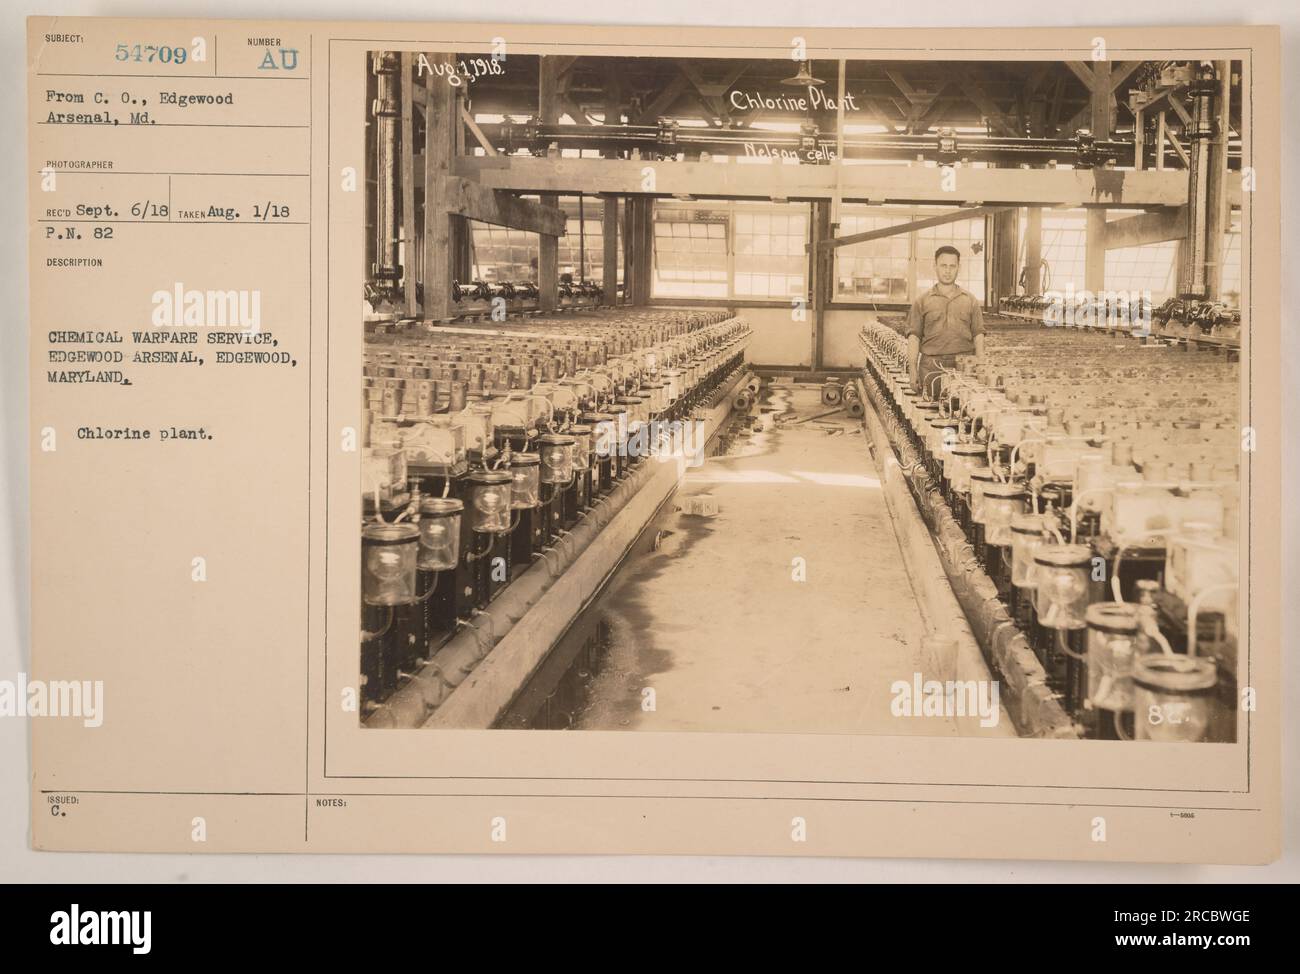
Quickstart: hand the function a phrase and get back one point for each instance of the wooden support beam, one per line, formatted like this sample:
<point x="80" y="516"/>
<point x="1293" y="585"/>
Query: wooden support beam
<point x="1178" y="146"/>
<point x="410" y="260"/>
<point x="647" y="248"/>
<point x="1103" y="100"/>
<point x="995" y="115"/>
<point x="1146" y="228"/>
<point x="609" y="218"/>
<point x="931" y="115"/>
<point x="971" y="213"/>
<point x="710" y="93"/>
<point x="1005" y="246"/>
<point x="548" y="256"/>
<point x="1121" y="72"/>
<point x="440" y="120"/>
<point x="1180" y="110"/>
<point x="629" y="250"/>
<point x="498" y="207"/>
<point x="1034" y="250"/>
<point x="575" y="111"/>
<point x="868" y="184"/>
<point x="477" y="132"/>
<point x="1084" y="72"/>
<point x="1139" y="140"/>
<point x="1216" y="206"/>
<point x="675" y="88"/>
<point x="563" y="65"/>
<point x="821" y="279"/>
<point x="1094" y="261"/>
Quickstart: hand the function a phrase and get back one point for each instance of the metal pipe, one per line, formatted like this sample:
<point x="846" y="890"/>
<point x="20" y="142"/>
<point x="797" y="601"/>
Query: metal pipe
<point x="387" y="111"/>
<point x="1197" y="249"/>
<point x="669" y="139"/>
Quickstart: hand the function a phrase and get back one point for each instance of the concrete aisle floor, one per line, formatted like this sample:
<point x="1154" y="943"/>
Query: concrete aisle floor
<point x="714" y="621"/>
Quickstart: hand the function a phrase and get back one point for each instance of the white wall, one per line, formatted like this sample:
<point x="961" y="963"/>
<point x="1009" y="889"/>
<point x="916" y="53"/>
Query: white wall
<point x="780" y="341"/>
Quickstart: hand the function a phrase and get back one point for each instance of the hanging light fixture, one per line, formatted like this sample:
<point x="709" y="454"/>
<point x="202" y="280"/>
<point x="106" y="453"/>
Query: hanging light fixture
<point x="803" y="78"/>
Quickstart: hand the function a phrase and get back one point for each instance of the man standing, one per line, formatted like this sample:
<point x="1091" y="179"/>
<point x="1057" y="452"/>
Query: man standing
<point x="942" y="323"/>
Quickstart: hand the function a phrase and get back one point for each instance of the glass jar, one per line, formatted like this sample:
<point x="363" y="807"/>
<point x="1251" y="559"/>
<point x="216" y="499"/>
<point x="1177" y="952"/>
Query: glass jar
<point x="942" y="435"/>
<point x="649" y="396"/>
<point x="636" y="409"/>
<point x="439" y="533"/>
<point x="556" y="451"/>
<point x="1112" y="647"/>
<point x="581" y="447"/>
<point x="604" y="432"/>
<point x="1172" y="697"/>
<point x="980" y="480"/>
<point x="1028" y="534"/>
<point x="960" y="461"/>
<point x="388" y="554"/>
<point x="489" y="502"/>
<point x="674" y="378"/>
<point x="1002" y="502"/>
<point x="525" y="481"/>
<point x="1061" y="595"/>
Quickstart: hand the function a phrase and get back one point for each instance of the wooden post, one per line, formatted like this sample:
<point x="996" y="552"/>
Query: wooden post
<point x="548" y="263"/>
<point x="629" y="248"/>
<point x="643" y="252"/>
<point x="1216" y="197"/>
<point x="821" y="279"/>
<point x="1034" y="250"/>
<point x="439" y="139"/>
<point x="1006" y="246"/>
<point x="1094" y="274"/>
<point x="410" y="259"/>
<point x="609" y="225"/>
<point x="1139" y="146"/>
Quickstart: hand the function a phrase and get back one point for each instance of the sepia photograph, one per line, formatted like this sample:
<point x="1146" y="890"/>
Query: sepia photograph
<point x="803" y="395"/>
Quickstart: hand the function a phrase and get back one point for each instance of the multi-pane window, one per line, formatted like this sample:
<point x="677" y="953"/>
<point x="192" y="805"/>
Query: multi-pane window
<point x="895" y="268"/>
<point x="501" y="254"/>
<point x="730" y="249"/>
<point x="1065" y="249"/>
<point x="770" y="260"/>
<point x="876" y="270"/>
<point x="690" y="254"/>
<point x="1149" y="268"/>
<point x="582" y="254"/>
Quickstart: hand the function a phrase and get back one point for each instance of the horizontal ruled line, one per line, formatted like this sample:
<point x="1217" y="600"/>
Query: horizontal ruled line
<point x="175" y="77"/>
<point x="131" y="172"/>
<point x="173" y="125"/>
<point x="181" y="223"/>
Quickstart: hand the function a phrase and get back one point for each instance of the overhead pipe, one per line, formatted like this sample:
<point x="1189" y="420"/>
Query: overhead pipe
<point x="385" y="272"/>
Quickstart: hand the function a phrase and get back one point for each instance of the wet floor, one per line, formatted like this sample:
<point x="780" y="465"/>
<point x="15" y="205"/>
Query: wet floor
<point x="788" y="610"/>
